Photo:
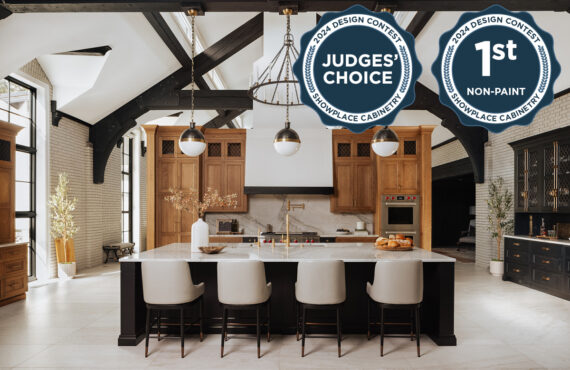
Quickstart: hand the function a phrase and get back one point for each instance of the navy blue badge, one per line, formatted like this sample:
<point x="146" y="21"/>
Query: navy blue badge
<point x="357" y="68"/>
<point x="496" y="68"/>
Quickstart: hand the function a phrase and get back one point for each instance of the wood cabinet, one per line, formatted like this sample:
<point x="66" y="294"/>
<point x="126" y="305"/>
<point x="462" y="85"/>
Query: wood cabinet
<point x="223" y="165"/>
<point x="13" y="256"/>
<point x="354" y="173"/>
<point x="540" y="265"/>
<point x="542" y="172"/>
<point x="408" y="171"/>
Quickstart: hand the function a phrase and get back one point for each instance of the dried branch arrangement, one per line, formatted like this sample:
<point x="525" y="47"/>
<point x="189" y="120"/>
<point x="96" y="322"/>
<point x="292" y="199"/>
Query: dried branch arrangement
<point x="190" y="201"/>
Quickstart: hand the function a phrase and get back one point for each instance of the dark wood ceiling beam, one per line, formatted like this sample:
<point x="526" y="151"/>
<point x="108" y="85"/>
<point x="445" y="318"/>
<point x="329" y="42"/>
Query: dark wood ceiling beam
<point x="203" y="100"/>
<point x="472" y="138"/>
<point x="168" y="37"/>
<point x="37" y="6"/>
<point x="229" y="45"/>
<point x="419" y="21"/>
<point x="221" y="120"/>
<point x="105" y="133"/>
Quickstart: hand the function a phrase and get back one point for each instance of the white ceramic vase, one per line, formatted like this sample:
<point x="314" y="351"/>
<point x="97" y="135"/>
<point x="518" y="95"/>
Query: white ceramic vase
<point x="66" y="270"/>
<point x="200" y="235"/>
<point x="497" y="268"/>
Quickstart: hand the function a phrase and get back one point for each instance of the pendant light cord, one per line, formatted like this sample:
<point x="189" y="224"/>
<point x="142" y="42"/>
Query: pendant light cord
<point x="288" y="33"/>
<point x="192" y="123"/>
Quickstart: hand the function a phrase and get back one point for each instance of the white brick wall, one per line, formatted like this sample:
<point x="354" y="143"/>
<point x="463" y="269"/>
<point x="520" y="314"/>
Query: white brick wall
<point x="447" y="153"/>
<point x="98" y="211"/>
<point x="499" y="162"/>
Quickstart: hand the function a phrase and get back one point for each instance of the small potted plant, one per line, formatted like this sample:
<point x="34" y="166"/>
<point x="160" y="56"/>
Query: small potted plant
<point x="190" y="202"/>
<point x="63" y="228"/>
<point x="499" y="204"/>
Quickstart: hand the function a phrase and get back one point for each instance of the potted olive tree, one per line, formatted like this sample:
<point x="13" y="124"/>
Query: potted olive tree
<point x="63" y="228"/>
<point x="500" y="204"/>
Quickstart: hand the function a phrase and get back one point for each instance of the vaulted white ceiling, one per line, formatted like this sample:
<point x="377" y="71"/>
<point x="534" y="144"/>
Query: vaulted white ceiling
<point x="139" y="59"/>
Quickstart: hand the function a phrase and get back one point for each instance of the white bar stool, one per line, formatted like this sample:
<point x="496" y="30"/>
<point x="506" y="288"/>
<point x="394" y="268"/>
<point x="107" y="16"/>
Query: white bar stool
<point x="242" y="286"/>
<point x="320" y="285"/>
<point x="397" y="284"/>
<point x="167" y="285"/>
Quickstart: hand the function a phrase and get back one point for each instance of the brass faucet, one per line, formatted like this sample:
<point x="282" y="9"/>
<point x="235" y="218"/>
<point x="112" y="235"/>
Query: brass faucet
<point x="291" y="207"/>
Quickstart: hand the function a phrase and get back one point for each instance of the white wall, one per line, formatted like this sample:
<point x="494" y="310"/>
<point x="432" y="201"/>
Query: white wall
<point x="450" y="152"/>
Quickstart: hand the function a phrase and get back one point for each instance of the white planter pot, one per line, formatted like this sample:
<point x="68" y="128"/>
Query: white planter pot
<point x="497" y="268"/>
<point x="66" y="270"/>
<point x="200" y="235"/>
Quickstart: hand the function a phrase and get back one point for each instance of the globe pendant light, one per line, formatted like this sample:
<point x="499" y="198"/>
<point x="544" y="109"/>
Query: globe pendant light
<point x="385" y="142"/>
<point x="192" y="141"/>
<point x="287" y="141"/>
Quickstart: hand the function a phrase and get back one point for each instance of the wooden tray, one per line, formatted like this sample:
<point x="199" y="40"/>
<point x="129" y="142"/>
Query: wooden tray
<point x="398" y="249"/>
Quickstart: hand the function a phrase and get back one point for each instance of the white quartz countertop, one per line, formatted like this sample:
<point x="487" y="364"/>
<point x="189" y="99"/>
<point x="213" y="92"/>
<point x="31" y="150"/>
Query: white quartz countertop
<point x="6" y="245"/>
<point x="541" y="240"/>
<point x="348" y="252"/>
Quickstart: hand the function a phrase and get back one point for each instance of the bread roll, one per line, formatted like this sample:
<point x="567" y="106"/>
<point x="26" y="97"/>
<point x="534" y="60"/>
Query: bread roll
<point x="393" y="244"/>
<point x="400" y="236"/>
<point x="410" y="240"/>
<point x="381" y="241"/>
<point x="391" y="236"/>
<point x="404" y="243"/>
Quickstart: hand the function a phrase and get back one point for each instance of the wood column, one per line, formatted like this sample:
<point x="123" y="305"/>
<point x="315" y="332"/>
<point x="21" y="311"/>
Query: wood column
<point x="150" y="184"/>
<point x="425" y="185"/>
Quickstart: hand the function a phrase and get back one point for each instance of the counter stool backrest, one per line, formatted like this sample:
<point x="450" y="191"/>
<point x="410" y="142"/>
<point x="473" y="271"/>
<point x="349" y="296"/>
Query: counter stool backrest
<point x="398" y="282"/>
<point x="320" y="282"/>
<point x="242" y="282"/>
<point x="167" y="282"/>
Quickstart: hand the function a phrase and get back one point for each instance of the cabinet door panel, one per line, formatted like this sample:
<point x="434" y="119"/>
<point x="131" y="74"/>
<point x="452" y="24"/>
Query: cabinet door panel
<point x="533" y="179"/>
<point x="365" y="188"/>
<point x="389" y="176"/>
<point x="408" y="177"/>
<point x="167" y="175"/>
<point x="234" y="185"/>
<point x="520" y="180"/>
<point x="188" y="175"/>
<point x="564" y="176"/>
<point x="344" y="186"/>
<point x="213" y="176"/>
<point x="169" y="217"/>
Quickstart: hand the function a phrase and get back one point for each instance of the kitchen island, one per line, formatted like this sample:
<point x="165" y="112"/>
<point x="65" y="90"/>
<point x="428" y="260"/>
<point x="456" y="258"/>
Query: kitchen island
<point x="437" y="311"/>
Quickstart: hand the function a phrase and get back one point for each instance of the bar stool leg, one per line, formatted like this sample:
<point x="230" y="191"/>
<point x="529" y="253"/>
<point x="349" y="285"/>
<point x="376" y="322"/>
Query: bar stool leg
<point x="159" y="314"/>
<point x="297" y="318"/>
<point x="182" y="332"/>
<point x="147" y="332"/>
<point x="338" y="333"/>
<point x="224" y="328"/>
<point x="258" y="332"/>
<point x="201" y="312"/>
<point x="269" y="320"/>
<point x="303" y="332"/>
<point x="381" y="329"/>
<point x="418" y="328"/>
<point x="368" y="317"/>
<point x="411" y="324"/>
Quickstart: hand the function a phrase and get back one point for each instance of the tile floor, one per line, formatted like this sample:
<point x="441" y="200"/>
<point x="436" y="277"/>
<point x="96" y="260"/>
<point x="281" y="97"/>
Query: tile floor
<point x="74" y="324"/>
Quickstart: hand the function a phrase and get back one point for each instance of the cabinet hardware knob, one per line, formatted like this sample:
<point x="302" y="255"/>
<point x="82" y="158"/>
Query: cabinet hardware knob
<point x="517" y="244"/>
<point x="545" y="249"/>
<point x="516" y="255"/>
<point x="516" y="270"/>
<point x="546" y="278"/>
<point x="546" y="261"/>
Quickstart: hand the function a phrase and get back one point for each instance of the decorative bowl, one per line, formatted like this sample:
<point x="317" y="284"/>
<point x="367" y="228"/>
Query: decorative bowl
<point x="212" y="249"/>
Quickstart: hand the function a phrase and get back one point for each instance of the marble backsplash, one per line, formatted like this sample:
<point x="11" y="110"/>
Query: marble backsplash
<point x="271" y="209"/>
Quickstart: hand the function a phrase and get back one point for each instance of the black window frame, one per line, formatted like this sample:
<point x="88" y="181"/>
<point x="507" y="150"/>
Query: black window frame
<point x="128" y="173"/>
<point x="31" y="150"/>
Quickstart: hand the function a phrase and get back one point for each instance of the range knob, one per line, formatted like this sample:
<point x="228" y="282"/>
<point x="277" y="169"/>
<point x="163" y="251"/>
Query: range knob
<point x="295" y="241"/>
<point x="312" y="240"/>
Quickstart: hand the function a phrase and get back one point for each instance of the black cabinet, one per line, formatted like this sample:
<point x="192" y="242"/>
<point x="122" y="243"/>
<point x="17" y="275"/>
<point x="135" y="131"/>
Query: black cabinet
<point x="541" y="265"/>
<point x="542" y="172"/>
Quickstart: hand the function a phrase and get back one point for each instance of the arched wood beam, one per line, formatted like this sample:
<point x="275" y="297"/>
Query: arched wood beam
<point x="105" y="133"/>
<point x="472" y="138"/>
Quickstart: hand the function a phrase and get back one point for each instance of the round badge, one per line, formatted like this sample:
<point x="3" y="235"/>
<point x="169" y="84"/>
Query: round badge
<point x="357" y="69"/>
<point x="496" y="69"/>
